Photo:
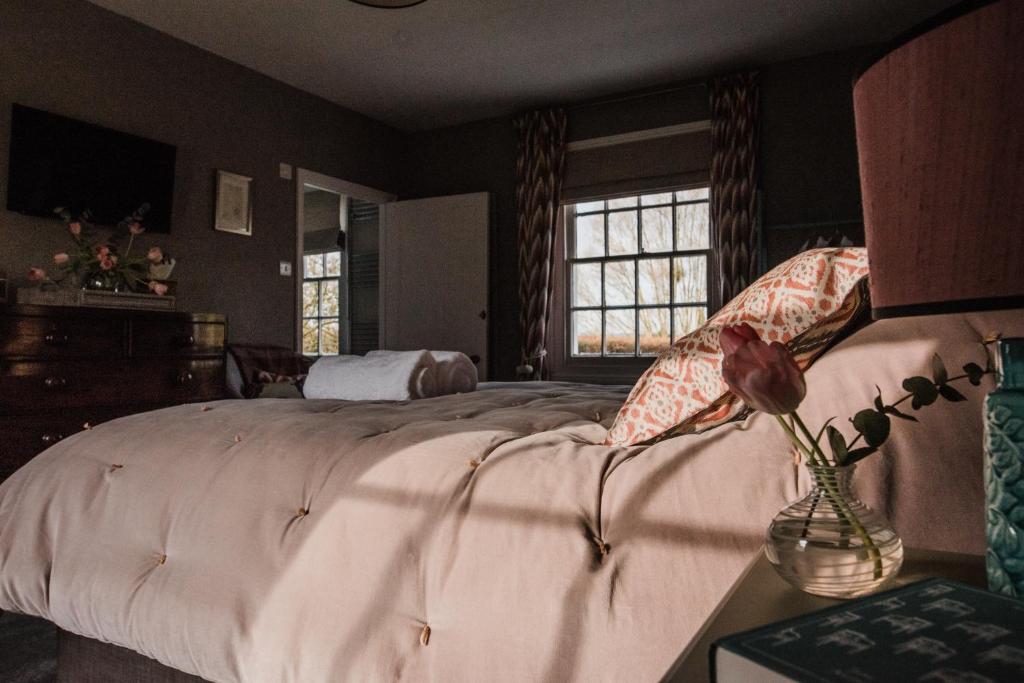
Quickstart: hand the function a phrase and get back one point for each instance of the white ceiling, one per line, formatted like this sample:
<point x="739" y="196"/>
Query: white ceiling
<point x="448" y="61"/>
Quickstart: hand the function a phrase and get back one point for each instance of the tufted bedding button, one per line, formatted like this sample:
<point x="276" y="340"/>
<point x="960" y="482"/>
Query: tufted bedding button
<point x="473" y="464"/>
<point x="162" y="559"/>
<point x="238" y="438"/>
<point x="301" y="512"/>
<point x="602" y="547"/>
<point x="115" y="467"/>
<point x="425" y="635"/>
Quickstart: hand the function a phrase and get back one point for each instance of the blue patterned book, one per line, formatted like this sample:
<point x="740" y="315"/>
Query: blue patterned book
<point x="933" y="630"/>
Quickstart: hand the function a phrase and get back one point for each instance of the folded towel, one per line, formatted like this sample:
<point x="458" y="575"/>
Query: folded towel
<point x="455" y="373"/>
<point x="398" y="376"/>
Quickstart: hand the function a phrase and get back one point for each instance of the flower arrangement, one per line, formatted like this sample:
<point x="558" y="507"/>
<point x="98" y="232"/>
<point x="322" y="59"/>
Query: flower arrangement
<point x="99" y="263"/>
<point x="767" y="378"/>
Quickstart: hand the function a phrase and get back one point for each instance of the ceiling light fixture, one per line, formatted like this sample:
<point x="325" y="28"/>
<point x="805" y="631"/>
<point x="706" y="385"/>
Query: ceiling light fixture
<point x="388" y="4"/>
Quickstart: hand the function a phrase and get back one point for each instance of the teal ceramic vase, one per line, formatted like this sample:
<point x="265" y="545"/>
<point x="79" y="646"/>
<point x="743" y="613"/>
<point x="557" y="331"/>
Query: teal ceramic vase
<point x="1004" y="472"/>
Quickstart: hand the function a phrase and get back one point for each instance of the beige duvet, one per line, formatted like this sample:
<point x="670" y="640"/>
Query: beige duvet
<point x="464" y="538"/>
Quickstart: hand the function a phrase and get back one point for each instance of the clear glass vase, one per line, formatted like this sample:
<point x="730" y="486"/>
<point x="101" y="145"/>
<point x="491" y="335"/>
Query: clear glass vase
<point x="830" y="543"/>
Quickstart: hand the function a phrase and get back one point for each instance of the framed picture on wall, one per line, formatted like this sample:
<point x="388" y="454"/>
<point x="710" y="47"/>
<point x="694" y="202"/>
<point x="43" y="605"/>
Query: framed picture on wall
<point x="233" y="212"/>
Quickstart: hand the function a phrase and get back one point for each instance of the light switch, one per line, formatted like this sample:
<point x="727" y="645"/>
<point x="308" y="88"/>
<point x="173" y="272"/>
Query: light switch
<point x="286" y="268"/>
<point x="285" y="171"/>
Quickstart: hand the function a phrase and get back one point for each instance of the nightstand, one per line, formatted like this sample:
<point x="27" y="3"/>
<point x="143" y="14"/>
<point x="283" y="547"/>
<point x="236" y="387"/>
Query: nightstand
<point x="760" y="597"/>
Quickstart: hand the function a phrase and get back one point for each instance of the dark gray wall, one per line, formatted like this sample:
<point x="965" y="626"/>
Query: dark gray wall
<point x="808" y="158"/>
<point x="75" y="59"/>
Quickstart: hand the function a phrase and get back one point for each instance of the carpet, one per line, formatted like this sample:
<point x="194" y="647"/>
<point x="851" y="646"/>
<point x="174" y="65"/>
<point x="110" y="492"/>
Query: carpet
<point x="28" y="649"/>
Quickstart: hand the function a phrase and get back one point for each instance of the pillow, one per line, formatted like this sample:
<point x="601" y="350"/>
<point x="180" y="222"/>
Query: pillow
<point x="273" y="385"/>
<point x="808" y="303"/>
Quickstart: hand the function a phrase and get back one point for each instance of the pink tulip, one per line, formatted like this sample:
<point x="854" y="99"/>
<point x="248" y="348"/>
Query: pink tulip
<point x="764" y="376"/>
<point x="75" y="227"/>
<point x="106" y="263"/>
<point x="60" y="259"/>
<point x="158" y="288"/>
<point x="136" y="228"/>
<point x="36" y="274"/>
<point x="155" y="255"/>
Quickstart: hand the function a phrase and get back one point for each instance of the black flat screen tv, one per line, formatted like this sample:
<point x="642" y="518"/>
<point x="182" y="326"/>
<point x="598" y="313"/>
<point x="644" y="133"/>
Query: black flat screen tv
<point x="56" y="161"/>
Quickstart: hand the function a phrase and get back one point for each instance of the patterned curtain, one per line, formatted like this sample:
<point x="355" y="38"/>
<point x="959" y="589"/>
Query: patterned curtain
<point x="734" y="129"/>
<point x="539" y="167"/>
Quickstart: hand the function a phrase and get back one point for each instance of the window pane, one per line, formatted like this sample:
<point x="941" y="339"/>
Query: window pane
<point x="657" y="228"/>
<point x="586" y="335"/>
<point x="586" y="284"/>
<point x="622" y="233"/>
<point x="655" y="282"/>
<point x="621" y="203"/>
<point x="620" y="332"/>
<point x="314" y="265"/>
<point x="688" y="319"/>
<point x="692" y="194"/>
<point x="619" y="283"/>
<point x="333" y="268"/>
<point x="691" y="275"/>
<point x="692" y="227"/>
<point x="329" y="298"/>
<point x="589" y="206"/>
<point x="590" y="236"/>
<point x="329" y="337"/>
<point x="652" y="199"/>
<point x="310" y="336"/>
<point x="309" y="299"/>
<point x="654" y="330"/>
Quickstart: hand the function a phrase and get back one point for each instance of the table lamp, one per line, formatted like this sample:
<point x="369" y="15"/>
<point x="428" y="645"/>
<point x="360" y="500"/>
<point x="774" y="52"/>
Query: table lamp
<point x="940" y="139"/>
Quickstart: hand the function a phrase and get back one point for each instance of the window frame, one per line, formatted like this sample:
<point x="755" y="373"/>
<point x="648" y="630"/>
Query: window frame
<point x="319" y="317"/>
<point x="606" y="367"/>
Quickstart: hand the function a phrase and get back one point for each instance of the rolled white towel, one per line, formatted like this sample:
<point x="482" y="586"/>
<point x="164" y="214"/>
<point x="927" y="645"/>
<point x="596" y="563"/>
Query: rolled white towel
<point x="455" y="373"/>
<point x="399" y="376"/>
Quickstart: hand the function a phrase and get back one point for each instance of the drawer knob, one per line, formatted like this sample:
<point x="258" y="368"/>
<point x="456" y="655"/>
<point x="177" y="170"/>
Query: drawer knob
<point x="185" y="377"/>
<point x="51" y="438"/>
<point x="186" y="340"/>
<point x="55" y="382"/>
<point x="56" y="338"/>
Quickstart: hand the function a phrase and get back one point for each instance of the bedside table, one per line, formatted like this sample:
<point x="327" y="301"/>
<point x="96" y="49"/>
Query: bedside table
<point x="761" y="597"/>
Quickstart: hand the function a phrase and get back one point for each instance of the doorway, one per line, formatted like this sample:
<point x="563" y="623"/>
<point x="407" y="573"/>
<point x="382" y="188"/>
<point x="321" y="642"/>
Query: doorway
<point x="336" y="271"/>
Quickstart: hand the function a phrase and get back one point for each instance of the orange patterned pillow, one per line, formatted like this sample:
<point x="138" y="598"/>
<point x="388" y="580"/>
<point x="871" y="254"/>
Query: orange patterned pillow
<point x="683" y="390"/>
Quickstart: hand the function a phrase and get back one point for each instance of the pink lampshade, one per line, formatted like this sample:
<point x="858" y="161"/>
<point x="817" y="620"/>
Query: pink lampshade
<point x="940" y="135"/>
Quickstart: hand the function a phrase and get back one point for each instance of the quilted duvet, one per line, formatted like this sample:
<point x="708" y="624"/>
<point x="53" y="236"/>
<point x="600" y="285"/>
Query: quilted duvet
<point x="484" y="536"/>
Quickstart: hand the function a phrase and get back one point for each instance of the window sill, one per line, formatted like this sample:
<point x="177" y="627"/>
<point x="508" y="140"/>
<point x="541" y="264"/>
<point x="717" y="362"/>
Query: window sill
<point x="602" y="370"/>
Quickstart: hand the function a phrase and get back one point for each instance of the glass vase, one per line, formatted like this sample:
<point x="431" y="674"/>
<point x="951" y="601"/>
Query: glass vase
<point x="830" y="543"/>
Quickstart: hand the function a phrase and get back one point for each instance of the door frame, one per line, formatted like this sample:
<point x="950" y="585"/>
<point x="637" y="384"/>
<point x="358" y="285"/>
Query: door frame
<point x="320" y="181"/>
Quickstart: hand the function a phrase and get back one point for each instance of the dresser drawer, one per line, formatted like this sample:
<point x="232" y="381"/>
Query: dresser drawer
<point x="180" y="338"/>
<point x="24" y="437"/>
<point x="64" y="337"/>
<point x="183" y="381"/>
<point x="33" y="386"/>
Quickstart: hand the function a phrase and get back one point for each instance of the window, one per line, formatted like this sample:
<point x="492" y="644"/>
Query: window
<point x="637" y="272"/>
<point x="321" y="303"/>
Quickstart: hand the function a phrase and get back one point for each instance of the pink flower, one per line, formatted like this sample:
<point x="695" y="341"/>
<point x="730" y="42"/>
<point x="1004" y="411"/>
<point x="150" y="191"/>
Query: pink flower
<point x="36" y="274"/>
<point x="75" y="227"/>
<point x="106" y="263"/>
<point x="158" y="288"/>
<point x="101" y="251"/>
<point x="764" y="376"/>
<point x="136" y="228"/>
<point x="155" y="255"/>
<point x="60" y="259"/>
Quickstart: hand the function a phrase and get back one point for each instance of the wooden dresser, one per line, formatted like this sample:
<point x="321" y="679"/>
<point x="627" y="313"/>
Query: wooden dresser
<point x="63" y="367"/>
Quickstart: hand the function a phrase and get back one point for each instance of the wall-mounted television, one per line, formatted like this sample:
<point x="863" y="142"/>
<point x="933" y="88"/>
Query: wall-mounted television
<point x="57" y="161"/>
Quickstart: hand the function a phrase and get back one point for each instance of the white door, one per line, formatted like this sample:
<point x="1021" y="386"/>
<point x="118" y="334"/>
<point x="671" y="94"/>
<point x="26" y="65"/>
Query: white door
<point x="433" y="275"/>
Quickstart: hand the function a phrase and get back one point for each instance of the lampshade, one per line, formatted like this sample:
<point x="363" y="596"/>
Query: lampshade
<point x="940" y="137"/>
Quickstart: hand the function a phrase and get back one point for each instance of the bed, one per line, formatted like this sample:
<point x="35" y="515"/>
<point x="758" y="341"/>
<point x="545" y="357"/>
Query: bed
<point x="483" y="536"/>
